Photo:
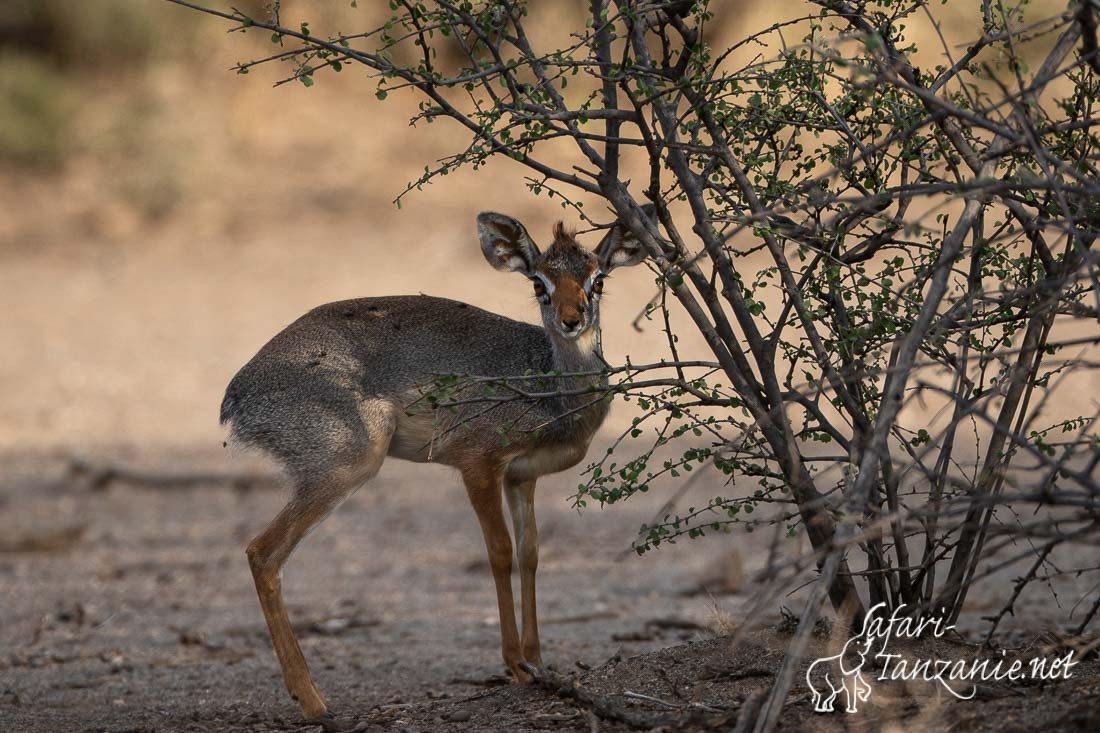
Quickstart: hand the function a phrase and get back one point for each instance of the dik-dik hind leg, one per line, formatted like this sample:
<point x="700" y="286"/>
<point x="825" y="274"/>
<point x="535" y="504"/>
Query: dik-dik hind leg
<point x="521" y="502"/>
<point x="313" y="500"/>
<point x="267" y="554"/>
<point x="484" y="487"/>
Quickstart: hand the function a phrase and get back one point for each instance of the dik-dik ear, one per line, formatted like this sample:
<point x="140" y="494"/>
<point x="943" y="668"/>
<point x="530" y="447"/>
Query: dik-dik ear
<point x="505" y="243"/>
<point x="620" y="248"/>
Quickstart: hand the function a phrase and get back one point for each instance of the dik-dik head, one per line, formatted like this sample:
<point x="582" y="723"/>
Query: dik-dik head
<point x="568" y="279"/>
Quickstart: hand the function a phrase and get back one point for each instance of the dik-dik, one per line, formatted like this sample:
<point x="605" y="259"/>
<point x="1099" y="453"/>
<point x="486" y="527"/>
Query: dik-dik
<point x="340" y="389"/>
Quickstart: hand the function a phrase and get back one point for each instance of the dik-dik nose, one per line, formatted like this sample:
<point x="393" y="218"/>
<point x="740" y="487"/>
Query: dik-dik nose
<point x="571" y="323"/>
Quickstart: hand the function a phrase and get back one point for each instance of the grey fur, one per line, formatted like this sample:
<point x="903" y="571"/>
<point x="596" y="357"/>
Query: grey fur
<point x="500" y="233"/>
<point x="352" y="375"/>
<point x="619" y="248"/>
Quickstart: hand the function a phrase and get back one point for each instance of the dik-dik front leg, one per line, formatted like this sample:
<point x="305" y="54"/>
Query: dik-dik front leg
<point x="484" y="488"/>
<point x="521" y="502"/>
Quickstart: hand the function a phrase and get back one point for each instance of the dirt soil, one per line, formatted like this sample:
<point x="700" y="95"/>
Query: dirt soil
<point x="130" y="608"/>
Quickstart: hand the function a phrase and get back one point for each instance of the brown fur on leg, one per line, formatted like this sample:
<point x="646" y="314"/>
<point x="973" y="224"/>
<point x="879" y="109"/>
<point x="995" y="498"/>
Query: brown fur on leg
<point x="483" y="485"/>
<point x="266" y="556"/>
<point x="521" y="502"/>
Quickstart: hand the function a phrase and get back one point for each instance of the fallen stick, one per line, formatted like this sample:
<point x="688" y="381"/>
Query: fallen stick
<point x="46" y="540"/>
<point x="672" y="705"/>
<point x="100" y="477"/>
<point x="605" y="708"/>
<point x="581" y="618"/>
<point x="749" y="710"/>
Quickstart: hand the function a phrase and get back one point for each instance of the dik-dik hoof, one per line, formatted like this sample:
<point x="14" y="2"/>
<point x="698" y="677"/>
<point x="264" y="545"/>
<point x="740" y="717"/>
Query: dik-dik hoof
<point x="313" y="706"/>
<point x="525" y="671"/>
<point x="333" y="724"/>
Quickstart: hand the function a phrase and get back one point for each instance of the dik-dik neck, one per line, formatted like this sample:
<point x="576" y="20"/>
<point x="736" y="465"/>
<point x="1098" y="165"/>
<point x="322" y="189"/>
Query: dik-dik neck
<point x="582" y="355"/>
<point x="584" y="408"/>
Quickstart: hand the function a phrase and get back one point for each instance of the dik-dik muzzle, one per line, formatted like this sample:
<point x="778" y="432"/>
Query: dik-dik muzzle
<point x="567" y="278"/>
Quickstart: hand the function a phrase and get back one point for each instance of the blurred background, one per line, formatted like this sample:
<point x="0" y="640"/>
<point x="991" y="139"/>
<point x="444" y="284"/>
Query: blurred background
<point x="162" y="216"/>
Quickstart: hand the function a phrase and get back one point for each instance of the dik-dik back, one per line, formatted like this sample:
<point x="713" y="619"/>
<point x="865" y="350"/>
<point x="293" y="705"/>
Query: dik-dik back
<point x="312" y="392"/>
<point x="349" y="383"/>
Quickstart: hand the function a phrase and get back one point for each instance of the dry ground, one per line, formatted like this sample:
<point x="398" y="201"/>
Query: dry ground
<point x="141" y="617"/>
<point x="145" y="617"/>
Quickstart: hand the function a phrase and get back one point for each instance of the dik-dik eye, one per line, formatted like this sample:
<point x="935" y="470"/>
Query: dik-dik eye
<point x="597" y="284"/>
<point x="540" y="288"/>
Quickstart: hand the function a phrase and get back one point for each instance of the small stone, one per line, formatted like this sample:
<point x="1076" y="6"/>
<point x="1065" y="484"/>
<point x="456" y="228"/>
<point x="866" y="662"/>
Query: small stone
<point x="333" y="626"/>
<point x="189" y="637"/>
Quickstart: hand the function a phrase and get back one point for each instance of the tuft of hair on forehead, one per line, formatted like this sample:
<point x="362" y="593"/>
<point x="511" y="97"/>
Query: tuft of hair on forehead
<point x="564" y="236"/>
<point x="565" y="254"/>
